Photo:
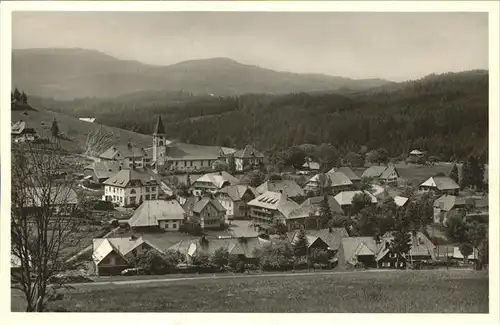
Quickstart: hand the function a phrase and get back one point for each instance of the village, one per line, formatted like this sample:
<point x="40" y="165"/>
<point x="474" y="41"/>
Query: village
<point x="176" y="207"/>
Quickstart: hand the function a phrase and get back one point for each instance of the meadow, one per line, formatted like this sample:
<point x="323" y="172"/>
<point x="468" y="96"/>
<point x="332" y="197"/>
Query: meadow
<point x="436" y="291"/>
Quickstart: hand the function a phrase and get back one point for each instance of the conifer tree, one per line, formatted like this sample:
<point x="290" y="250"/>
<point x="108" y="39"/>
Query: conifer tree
<point x="301" y="244"/>
<point x="54" y="129"/>
<point x="454" y="173"/>
<point x="24" y="98"/>
<point x="17" y="95"/>
<point x="325" y="213"/>
<point x="401" y="243"/>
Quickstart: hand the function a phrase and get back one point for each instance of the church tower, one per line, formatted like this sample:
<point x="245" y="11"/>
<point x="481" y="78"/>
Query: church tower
<point x="159" y="143"/>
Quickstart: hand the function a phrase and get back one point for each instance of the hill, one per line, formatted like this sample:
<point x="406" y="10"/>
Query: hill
<point x="446" y="115"/>
<point x="75" y="131"/>
<point x="77" y="73"/>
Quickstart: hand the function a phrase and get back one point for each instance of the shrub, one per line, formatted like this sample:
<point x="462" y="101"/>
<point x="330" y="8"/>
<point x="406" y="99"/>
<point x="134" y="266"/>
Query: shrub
<point x="201" y="259"/>
<point x="233" y="261"/>
<point x="220" y="257"/>
<point x="152" y="261"/>
<point x="319" y="256"/>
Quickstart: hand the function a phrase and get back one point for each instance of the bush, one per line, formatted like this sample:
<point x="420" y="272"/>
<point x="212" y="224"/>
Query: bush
<point x="319" y="256"/>
<point x="220" y="257"/>
<point x="153" y="261"/>
<point x="240" y="267"/>
<point x="233" y="261"/>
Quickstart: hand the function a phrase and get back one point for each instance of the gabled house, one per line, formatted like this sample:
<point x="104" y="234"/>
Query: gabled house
<point x="448" y="206"/>
<point x="310" y="207"/>
<point x="131" y="187"/>
<point x="359" y="250"/>
<point x="63" y="200"/>
<point x="326" y="239"/>
<point x="100" y="171"/>
<point x="246" y="248"/>
<point x="271" y="206"/>
<point x="213" y="182"/>
<point x="158" y="214"/>
<point x="355" y="179"/>
<point x="384" y="174"/>
<point x="209" y="213"/>
<point x="113" y="255"/>
<point x="234" y="199"/>
<point x="334" y="183"/>
<point x="20" y="132"/>
<point x="247" y="157"/>
<point x="416" y="153"/>
<point x="309" y="167"/>
<point x="129" y="156"/>
<point x="289" y="188"/>
<point x="440" y="185"/>
<point x="344" y="199"/>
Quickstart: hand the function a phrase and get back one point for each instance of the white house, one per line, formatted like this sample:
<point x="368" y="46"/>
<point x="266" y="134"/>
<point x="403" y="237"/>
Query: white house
<point x="247" y="157"/>
<point x="166" y="215"/>
<point x="131" y="187"/>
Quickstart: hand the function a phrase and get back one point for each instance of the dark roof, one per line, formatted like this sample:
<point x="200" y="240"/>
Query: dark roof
<point x="104" y="169"/>
<point x="186" y="151"/>
<point x="159" y="129"/>
<point x="315" y="202"/>
<point x="123" y="177"/>
<point x="349" y="173"/>
<point x="200" y="205"/>
<point x="441" y="183"/>
<point x="248" y="152"/>
<point x="236" y="192"/>
<point x="149" y="213"/>
<point x="126" y="151"/>
<point x="288" y="187"/>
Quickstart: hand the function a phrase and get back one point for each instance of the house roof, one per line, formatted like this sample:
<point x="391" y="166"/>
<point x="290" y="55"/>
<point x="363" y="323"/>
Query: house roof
<point x="441" y="183"/>
<point x="126" y="151"/>
<point x="333" y="239"/>
<point x="179" y="151"/>
<point x="345" y="198"/>
<point x="104" y="169"/>
<point x="420" y="244"/>
<point x="313" y="205"/>
<point x="101" y="247"/>
<point x="201" y="204"/>
<point x="248" y="152"/>
<point x="190" y="203"/>
<point x="352" y="246"/>
<point x="159" y="128"/>
<point x="339" y="179"/>
<point x="149" y="213"/>
<point x="125" y="176"/>
<point x="288" y="187"/>
<point x="55" y="195"/>
<point x="227" y="151"/>
<point x="374" y="171"/>
<point x="311" y="165"/>
<point x="448" y="202"/>
<point x="416" y="152"/>
<point x="21" y="127"/>
<point x="219" y="179"/>
<point x="274" y="201"/>
<point x="377" y="190"/>
<point x="386" y="174"/>
<point x="400" y="200"/>
<point x="236" y="192"/>
<point x="246" y="246"/>
<point x="346" y="171"/>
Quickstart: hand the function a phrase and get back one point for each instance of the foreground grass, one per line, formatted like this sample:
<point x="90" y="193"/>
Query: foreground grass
<point x="389" y="292"/>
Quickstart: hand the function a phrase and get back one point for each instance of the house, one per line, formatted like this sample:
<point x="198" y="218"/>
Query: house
<point x="158" y="214"/>
<point x="379" y="253"/>
<point x="234" y="199"/>
<point x="270" y="207"/>
<point x="246" y="248"/>
<point x="100" y="171"/>
<point x="309" y="167"/>
<point x="113" y="255"/>
<point x="87" y="119"/>
<point x="325" y="239"/>
<point x="401" y="201"/>
<point x="440" y="185"/>
<point x="209" y="213"/>
<point x="380" y="192"/>
<point x="63" y="200"/>
<point x="129" y="156"/>
<point x="213" y="182"/>
<point x="344" y="199"/>
<point x="336" y="182"/>
<point x="314" y="203"/>
<point x="289" y="188"/>
<point x="384" y="174"/>
<point x="355" y="179"/>
<point x="131" y="187"/>
<point x="416" y="153"/>
<point x="20" y="132"/>
<point x="247" y="157"/>
<point x="448" y="206"/>
<point x="310" y="207"/>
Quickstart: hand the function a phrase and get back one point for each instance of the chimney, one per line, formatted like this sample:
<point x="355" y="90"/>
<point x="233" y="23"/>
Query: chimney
<point x="220" y="173"/>
<point x="330" y="230"/>
<point x="132" y="237"/>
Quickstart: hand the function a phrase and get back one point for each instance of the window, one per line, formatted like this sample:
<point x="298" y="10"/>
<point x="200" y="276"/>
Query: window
<point x="166" y="225"/>
<point x="132" y="191"/>
<point x="147" y="189"/>
<point x="153" y="188"/>
<point x="147" y="196"/>
<point x="174" y="225"/>
<point x="132" y="200"/>
<point x="153" y="197"/>
<point x="191" y="164"/>
<point x="114" y="189"/>
<point x="202" y="163"/>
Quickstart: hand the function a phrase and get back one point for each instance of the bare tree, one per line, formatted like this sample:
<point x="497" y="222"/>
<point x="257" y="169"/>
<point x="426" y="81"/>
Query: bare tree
<point x="98" y="141"/>
<point x="44" y="223"/>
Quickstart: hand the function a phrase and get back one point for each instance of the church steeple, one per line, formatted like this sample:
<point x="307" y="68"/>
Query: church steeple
<point x="160" y="128"/>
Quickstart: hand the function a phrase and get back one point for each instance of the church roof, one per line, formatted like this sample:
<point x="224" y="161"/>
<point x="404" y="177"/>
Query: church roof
<point x="160" y="128"/>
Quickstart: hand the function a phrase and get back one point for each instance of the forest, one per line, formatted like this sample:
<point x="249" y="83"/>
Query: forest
<point x="445" y="115"/>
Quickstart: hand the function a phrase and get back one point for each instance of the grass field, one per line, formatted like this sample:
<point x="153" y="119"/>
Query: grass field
<point x="437" y="291"/>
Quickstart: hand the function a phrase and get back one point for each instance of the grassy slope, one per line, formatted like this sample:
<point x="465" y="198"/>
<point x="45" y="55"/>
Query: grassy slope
<point x="75" y="130"/>
<point x="404" y="291"/>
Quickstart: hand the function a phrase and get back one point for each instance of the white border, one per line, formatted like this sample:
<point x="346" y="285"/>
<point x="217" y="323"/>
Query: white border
<point x="361" y="6"/>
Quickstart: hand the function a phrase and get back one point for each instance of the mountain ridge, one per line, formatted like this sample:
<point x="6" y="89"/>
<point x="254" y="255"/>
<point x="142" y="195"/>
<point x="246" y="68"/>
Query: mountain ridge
<point x="69" y="73"/>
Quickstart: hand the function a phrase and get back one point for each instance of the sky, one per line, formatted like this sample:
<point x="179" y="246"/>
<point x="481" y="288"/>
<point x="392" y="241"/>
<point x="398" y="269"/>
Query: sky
<point x="393" y="46"/>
